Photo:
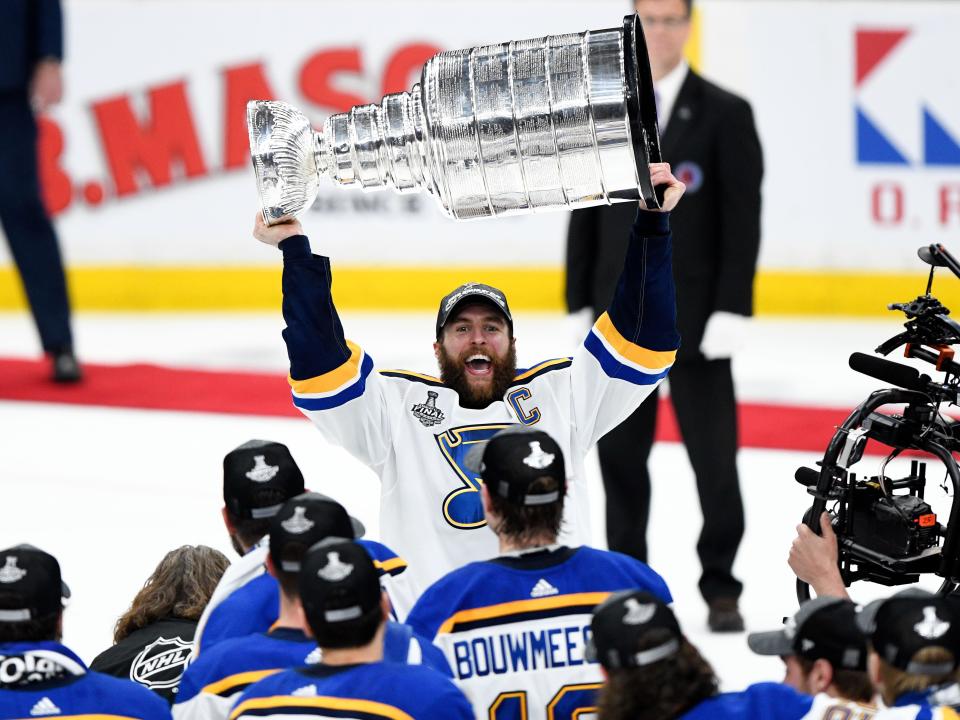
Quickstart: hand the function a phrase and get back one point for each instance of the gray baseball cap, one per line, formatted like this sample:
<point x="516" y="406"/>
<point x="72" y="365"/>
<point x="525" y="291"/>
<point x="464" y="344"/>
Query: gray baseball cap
<point x="824" y="627"/>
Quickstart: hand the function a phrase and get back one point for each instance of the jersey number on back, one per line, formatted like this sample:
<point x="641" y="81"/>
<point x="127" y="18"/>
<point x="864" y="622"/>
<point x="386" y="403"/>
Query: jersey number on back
<point x="572" y="702"/>
<point x="462" y="508"/>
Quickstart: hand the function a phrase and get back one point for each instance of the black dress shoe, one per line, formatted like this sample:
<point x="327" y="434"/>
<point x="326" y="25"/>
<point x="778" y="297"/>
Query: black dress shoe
<point x="724" y="616"/>
<point x="66" y="369"/>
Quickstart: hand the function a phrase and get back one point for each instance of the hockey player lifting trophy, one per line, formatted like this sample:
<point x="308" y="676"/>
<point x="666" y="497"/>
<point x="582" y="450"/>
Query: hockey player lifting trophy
<point x="557" y="122"/>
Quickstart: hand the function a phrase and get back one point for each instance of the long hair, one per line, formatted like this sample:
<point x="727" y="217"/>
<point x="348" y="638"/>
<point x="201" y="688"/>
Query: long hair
<point x="180" y="587"/>
<point x="895" y="682"/>
<point x="661" y="691"/>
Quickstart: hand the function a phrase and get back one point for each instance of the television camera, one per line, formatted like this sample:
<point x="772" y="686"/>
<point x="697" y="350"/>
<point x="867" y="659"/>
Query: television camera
<point x="886" y="531"/>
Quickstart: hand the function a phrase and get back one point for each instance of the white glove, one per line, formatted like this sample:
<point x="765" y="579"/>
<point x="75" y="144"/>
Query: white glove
<point x="578" y="324"/>
<point x="725" y="334"/>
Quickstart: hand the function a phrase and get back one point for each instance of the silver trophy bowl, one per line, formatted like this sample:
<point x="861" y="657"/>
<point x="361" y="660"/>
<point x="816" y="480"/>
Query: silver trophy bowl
<point x="563" y="121"/>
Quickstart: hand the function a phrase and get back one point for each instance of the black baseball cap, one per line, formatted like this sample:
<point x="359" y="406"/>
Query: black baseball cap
<point x="258" y="477"/>
<point x="622" y="621"/>
<point x="304" y="521"/>
<point x="825" y="627"/>
<point x="340" y="592"/>
<point x="909" y="621"/>
<point x="30" y="584"/>
<point x="472" y="292"/>
<point x="511" y="460"/>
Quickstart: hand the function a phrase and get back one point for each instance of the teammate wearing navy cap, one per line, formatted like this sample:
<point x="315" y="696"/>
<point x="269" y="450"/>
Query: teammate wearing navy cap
<point x="515" y="627"/>
<point x="258" y="477"/>
<point x="654" y="672"/>
<point x="39" y="676"/>
<point x="347" y="612"/>
<point x="823" y="650"/>
<point x="215" y="680"/>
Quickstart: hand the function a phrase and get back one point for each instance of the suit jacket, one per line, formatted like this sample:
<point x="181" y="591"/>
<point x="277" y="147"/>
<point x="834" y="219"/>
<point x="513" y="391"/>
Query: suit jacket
<point x="30" y="30"/>
<point x="712" y="145"/>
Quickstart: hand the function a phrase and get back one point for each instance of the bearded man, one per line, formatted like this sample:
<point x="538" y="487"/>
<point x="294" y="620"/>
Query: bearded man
<point x="415" y="430"/>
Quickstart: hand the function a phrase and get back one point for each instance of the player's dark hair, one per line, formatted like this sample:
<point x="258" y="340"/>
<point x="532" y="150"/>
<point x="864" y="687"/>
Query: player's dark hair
<point x="850" y="684"/>
<point x="35" y="630"/>
<point x="665" y="689"/>
<point x="249" y="531"/>
<point x="180" y="587"/>
<point x="290" y="581"/>
<point x="353" y="634"/>
<point x="524" y="523"/>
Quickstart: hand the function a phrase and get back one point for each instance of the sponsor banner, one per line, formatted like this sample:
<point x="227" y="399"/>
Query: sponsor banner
<point x="858" y="108"/>
<point x="146" y="167"/>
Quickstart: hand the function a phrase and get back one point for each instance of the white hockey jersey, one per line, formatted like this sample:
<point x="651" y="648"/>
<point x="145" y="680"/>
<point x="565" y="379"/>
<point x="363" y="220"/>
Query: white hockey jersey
<point x="411" y="430"/>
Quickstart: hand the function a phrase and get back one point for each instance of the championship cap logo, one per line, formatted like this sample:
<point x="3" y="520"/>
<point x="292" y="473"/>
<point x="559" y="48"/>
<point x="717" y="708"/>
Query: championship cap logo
<point x="537" y="458"/>
<point x="638" y="613"/>
<point x="931" y="627"/>
<point x="335" y="570"/>
<point x="261" y="472"/>
<point x="299" y="523"/>
<point x="10" y="573"/>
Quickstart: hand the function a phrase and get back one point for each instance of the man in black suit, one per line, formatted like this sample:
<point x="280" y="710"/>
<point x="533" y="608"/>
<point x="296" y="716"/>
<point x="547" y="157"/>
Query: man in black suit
<point x="31" y="48"/>
<point x="708" y="136"/>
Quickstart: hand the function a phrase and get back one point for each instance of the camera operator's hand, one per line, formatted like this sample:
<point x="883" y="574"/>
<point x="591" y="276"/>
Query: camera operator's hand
<point x="813" y="559"/>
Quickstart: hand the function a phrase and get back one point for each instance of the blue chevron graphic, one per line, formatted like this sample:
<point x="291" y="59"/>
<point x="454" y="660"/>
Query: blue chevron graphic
<point x="939" y="147"/>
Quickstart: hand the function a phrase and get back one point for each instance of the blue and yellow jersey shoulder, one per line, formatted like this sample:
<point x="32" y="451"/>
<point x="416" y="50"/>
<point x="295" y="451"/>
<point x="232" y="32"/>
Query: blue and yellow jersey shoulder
<point x="376" y="691"/>
<point x="565" y="581"/>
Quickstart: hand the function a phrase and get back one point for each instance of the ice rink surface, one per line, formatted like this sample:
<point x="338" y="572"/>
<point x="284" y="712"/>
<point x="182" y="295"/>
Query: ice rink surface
<point x="109" y="491"/>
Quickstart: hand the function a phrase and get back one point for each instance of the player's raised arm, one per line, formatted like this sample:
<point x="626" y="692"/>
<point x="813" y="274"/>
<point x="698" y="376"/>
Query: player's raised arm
<point x="332" y="379"/>
<point x="632" y="345"/>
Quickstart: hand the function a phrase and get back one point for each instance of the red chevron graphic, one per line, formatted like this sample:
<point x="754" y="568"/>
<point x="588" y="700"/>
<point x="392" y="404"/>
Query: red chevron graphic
<point x="872" y="47"/>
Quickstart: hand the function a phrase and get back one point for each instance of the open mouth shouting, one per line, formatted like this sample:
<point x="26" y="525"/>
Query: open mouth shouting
<point x="479" y="365"/>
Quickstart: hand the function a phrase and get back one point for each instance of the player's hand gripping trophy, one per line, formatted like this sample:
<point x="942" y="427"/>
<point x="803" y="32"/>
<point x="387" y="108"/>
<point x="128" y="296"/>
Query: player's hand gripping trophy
<point x="564" y="121"/>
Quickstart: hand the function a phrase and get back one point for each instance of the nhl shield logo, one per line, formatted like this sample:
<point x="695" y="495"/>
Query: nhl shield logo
<point x="161" y="663"/>
<point x="427" y="412"/>
<point x="261" y="472"/>
<point x="10" y="573"/>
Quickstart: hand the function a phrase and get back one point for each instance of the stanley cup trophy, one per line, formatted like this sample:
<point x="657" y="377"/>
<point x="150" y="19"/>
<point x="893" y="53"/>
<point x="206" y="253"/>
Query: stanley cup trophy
<point x="564" y="121"/>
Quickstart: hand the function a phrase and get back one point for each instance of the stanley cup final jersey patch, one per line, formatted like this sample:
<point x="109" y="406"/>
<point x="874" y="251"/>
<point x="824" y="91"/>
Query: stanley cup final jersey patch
<point x="427" y="412"/>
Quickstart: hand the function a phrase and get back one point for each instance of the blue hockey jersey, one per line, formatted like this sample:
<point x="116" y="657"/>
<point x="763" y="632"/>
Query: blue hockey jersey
<point x="210" y="685"/>
<point x="514" y="628"/>
<point x="47" y="679"/>
<point x="373" y="691"/>
<point x="255" y="606"/>
<point x="775" y="701"/>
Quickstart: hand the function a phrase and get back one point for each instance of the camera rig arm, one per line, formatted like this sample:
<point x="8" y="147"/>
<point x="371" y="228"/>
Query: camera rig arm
<point x="844" y="450"/>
